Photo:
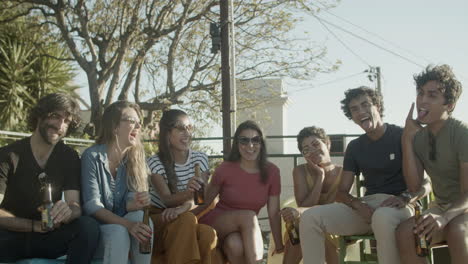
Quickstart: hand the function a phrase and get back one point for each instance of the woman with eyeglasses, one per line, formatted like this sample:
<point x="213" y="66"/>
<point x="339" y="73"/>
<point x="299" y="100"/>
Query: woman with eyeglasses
<point x="245" y="183"/>
<point x="315" y="183"/>
<point x="114" y="179"/>
<point x="179" y="239"/>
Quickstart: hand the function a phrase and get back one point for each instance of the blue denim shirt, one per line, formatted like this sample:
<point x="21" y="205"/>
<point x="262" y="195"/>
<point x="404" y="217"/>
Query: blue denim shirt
<point x="96" y="183"/>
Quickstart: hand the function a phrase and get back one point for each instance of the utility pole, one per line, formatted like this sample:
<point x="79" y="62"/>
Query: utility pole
<point x="226" y="76"/>
<point x="379" y="87"/>
<point x="374" y="74"/>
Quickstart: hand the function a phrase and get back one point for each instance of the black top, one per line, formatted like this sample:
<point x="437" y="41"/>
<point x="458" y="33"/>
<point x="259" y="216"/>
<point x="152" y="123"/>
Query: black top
<point x="380" y="161"/>
<point x="19" y="173"/>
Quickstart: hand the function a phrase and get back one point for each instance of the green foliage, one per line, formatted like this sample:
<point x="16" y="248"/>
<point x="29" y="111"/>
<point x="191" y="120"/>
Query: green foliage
<point x="29" y="68"/>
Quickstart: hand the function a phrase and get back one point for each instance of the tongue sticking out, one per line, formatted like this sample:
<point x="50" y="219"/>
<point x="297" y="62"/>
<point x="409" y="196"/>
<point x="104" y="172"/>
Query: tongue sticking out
<point x="366" y="124"/>
<point x="422" y="114"/>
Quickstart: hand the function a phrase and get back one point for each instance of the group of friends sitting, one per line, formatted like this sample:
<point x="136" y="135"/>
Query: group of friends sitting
<point x="99" y="199"/>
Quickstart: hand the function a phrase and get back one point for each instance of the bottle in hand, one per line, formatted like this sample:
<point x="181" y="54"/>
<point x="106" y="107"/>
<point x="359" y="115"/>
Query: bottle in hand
<point x="293" y="232"/>
<point x="199" y="196"/>
<point x="422" y="245"/>
<point x="145" y="247"/>
<point x="47" y="222"/>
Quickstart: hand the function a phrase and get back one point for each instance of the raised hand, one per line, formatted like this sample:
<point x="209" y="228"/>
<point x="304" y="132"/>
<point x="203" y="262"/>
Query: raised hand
<point x="412" y="126"/>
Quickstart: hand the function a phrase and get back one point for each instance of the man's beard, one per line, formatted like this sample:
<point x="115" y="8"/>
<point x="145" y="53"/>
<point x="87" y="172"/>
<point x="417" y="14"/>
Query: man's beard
<point x="43" y="127"/>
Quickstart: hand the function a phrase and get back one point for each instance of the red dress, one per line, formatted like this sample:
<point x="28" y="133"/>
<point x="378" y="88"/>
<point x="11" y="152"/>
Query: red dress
<point x="240" y="190"/>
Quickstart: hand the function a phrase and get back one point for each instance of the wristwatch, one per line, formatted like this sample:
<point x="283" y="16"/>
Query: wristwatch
<point x="407" y="196"/>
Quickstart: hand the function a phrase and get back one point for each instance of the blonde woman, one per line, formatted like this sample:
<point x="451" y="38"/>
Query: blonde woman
<point x="114" y="179"/>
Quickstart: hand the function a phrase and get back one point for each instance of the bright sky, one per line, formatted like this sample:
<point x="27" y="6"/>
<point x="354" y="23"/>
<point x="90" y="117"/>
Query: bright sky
<point x="432" y="31"/>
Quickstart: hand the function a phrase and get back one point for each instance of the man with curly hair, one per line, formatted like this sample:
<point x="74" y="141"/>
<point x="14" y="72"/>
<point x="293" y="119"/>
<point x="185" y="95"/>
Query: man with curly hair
<point x="437" y="143"/>
<point x="377" y="156"/>
<point x="26" y="166"/>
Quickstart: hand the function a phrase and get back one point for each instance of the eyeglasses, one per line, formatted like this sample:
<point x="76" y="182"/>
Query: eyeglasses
<point x="432" y="146"/>
<point x="312" y="147"/>
<point x="132" y="120"/>
<point x="56" y="116"/>
<point x="247" y="141"/>
<point x="184" y="128"/>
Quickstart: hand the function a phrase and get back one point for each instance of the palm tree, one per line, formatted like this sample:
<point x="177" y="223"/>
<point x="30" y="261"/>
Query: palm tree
<point x="29" y="68"/>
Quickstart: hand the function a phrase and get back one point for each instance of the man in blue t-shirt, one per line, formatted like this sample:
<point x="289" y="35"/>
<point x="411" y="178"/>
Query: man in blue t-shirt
<point x="377" y="156"/>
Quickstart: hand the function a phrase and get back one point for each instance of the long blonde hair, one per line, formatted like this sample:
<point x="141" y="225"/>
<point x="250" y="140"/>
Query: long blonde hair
<point x="137" y="169"/>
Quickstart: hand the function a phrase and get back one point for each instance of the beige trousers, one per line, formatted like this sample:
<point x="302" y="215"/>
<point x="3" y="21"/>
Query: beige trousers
<point x="339" y="219"/>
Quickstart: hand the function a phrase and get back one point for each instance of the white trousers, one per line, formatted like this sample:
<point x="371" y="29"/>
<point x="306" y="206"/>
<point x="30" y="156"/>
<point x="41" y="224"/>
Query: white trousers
<point x="339" y="219"/>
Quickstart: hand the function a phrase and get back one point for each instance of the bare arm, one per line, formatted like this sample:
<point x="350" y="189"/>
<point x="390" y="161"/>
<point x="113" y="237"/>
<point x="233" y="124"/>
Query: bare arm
<point x="211" y="192"/>
<point x="169" y="199"/>
<point x="343" y="195"/>
<point x="304" y="196"/>
<point x="412" y="167"/>
<point x="17" y="224"/>
<point x="273" y="208"/>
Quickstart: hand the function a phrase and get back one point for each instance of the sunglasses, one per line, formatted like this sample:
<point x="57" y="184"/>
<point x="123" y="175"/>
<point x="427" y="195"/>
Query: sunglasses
<point x="43" y="179"/>
<point x="132" y="120"/>
<point x="247" y="141"/>
<point x="183" y="128"/>
<point x="432" y="148"/>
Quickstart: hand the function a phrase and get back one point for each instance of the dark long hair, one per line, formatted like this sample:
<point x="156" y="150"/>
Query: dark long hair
<point x="262" y="161"/>
<point x="55" y="102"/>
<point x="166" y="124"/>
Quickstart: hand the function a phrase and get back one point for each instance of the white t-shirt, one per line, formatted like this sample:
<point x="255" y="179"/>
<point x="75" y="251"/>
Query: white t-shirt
<point x="184" y="172"/>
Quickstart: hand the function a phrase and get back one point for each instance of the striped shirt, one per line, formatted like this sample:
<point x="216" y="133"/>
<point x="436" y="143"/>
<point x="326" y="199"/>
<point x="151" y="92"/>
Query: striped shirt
<point x="184" y="172"/>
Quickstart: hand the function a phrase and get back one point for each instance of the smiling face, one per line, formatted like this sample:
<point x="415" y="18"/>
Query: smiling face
<point x="365" y="114"/>
<point x="249" y="144"/>
<point x="128" y="130"/>
<point x="430" y="103"/>
<point x="54" y="127"/>
<point x="314" y="150"/>
<point x="180" y="135"/>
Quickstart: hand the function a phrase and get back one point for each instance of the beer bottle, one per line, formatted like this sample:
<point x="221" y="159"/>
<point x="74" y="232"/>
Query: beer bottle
<point x="422" y="245"/>
<point x="145" y="247"/>
<point x="199" y="196"/>
<point x="47" y="223"/>
<point x="293" y="232"/>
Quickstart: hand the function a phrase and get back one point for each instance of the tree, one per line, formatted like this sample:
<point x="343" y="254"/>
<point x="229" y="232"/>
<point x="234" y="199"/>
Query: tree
<point x="126" y="45"/>
<point x="28" y="70"/>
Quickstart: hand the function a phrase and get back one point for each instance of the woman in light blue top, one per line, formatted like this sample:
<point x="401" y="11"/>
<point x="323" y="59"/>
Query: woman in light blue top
<point x="114" y="181"/>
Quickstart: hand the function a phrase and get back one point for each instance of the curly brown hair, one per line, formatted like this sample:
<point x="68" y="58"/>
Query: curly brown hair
<point x="312" y="131"/>
<point x="351" y="94"/>
<point x="55" y="102"/>
<point x="443" y="75"/>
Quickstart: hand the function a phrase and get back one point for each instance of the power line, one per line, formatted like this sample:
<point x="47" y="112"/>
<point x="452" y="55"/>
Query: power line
<point x="327" y="83"/>
<point x="375" y="35"/>
<point x="342" y="43"/>
<point x="368" y="41"/>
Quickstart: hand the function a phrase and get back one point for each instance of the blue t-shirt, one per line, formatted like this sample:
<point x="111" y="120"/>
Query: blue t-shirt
<point x="380" y="161"/>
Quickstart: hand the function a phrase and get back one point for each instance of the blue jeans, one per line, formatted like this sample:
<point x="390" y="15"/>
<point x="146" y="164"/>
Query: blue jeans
<point x="78" y="240"/>
<point x="116" y="243"/>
